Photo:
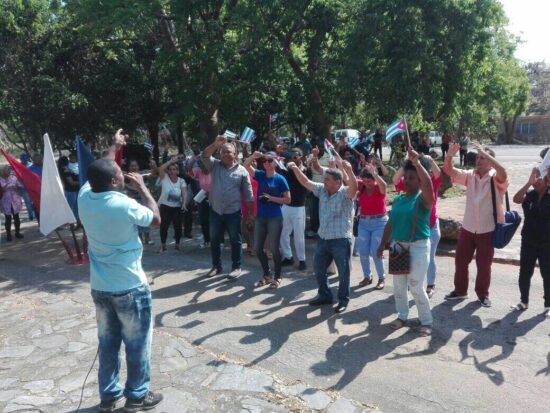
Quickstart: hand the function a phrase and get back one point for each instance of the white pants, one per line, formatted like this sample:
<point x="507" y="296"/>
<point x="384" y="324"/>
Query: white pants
<point x="294" y="221"/>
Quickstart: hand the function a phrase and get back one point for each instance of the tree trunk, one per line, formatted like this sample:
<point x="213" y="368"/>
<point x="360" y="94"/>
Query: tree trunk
<point x="321" y="125"/>
<point x="179" y="137"/>
<point x="509" y="127"/>
<point x="153" y="129"/>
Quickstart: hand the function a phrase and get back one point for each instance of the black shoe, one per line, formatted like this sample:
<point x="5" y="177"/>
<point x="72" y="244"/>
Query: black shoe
<point x="148" y="402"/>
<point x="320" y="301"/>
<point x="287" y="261"/>
<point x="109" y="405"/>
<point x="8" y="236"/>
<point x="453" y="295"/>
<point x="340" y="308"/>
<point x="18" y="235"/>
<point x="302" y="266"/>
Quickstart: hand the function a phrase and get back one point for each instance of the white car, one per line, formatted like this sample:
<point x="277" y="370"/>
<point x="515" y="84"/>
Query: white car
<point x="347" y="134"/>
<point x="435" y="138"/>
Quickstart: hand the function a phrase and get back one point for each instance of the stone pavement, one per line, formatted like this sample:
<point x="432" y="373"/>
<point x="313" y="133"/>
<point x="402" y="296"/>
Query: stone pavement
<point x="48" y="341"/>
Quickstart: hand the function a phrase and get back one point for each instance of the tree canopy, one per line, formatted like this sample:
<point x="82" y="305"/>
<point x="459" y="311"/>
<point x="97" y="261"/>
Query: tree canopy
<point x="87" y="67"/>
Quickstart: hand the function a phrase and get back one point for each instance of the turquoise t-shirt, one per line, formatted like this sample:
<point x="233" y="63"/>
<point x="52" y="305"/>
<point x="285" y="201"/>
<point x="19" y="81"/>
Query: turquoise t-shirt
<point x="111" y="220"/>
<point x="402" y="216"/>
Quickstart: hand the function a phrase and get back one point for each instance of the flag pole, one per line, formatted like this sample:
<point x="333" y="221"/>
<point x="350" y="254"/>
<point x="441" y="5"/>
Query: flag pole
<point x="407" y="128"/>
<point x="72" y="259"/>
<point x="76" y="246"/>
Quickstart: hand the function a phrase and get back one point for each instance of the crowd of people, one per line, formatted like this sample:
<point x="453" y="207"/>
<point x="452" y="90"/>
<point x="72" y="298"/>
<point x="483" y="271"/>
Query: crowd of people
<point x="261" y="198"/>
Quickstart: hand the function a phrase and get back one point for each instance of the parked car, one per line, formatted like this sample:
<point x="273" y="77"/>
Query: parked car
<point x="346" y="134"/>
<point x="435" y="138"/>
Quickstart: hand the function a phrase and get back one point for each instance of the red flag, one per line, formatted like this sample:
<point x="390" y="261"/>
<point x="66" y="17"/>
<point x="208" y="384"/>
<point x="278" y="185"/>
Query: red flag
<point x="31" y="181"/>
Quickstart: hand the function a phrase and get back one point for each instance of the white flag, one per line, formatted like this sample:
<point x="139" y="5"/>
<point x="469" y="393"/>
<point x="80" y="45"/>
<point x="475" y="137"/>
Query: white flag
<point x="543" y="167"/>
<point x="54" y="208"/>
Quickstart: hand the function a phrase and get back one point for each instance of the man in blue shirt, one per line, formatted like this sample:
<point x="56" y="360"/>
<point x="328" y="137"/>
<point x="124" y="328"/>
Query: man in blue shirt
<point x="120" y="291"/>
<point x="36" y="166"/>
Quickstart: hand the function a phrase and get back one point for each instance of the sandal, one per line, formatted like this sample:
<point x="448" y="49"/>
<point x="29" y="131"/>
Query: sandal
<point x="397" y="324"/>
<point x="275" y="283"/>
<point x="365" y="281"/>
<point x="263" y="281"/>
<point x="519" y="307"/>
<point x="380" y="285"/>
<point x="162" y="249"/>
<point x="425" y="331"/>
<point x="430" y="291"/>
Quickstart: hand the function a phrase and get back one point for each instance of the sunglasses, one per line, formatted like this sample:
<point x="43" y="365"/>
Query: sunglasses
<point x="269" y="160"/>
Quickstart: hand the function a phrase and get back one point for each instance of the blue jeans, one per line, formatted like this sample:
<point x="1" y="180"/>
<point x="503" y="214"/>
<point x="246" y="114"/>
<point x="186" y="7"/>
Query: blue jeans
<point x="435" y="237"/>
<point x="28" y="203"/>
<point x="270" y="229"/>
<point x="218" y="225"/>
<point x="124" y="316"/>
<point x="370" y="235"/>
<point x="338" y="250"/>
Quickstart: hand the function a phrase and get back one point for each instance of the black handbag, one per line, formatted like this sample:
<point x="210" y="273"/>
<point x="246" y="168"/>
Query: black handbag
<point x="400" y="256"/>
<point x="356" y="222"/>
<point x="504" y="232"/>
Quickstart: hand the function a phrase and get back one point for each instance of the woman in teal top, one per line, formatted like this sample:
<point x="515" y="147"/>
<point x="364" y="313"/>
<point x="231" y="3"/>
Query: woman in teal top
<point x="409" y="225"/>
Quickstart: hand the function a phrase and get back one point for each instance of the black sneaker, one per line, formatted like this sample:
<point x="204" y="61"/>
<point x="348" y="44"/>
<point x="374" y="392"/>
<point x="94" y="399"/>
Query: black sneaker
<point x="302" y="266"/>
<point x="320" y="301"/>
<point x="485" y="302"/>
<point x="453" y="295"/>
<point x="287" y="261"/>
<point x="18" y="235"/>
<point x="148" y="402"/>
<point x="340" y="308"/>
<point x="109" y="405"/>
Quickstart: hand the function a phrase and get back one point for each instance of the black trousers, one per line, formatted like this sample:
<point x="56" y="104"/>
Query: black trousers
<point x="462" y="154"/>
<point x="16" y="223"/>
<point x="170" y="215"/>
<point x="444" y="149"/>
<point x="204" y="217"/>
<point x="528" y="257"/>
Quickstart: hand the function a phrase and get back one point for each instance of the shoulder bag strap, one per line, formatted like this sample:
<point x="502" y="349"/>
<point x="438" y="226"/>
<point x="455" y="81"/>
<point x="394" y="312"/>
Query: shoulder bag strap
<point x="413" y="228"/>
<point x="493" y="198"/>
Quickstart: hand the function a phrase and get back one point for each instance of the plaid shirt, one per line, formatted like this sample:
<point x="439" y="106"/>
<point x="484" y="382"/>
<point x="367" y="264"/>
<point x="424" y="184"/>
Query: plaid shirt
<point x="335" y="212"/>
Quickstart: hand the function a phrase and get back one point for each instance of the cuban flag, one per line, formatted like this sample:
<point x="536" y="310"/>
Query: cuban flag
<point x="149" y="146"/>
<point x="396" y="128"/>
<point x="230" y="135"/>
<point x="280" y="164"/>
<point x="273" y="117"/>
<point x="545" y="164"/>
<point x="247" y="136"/>
<point x="353" y="142"/>
<point x="329" y="149"/>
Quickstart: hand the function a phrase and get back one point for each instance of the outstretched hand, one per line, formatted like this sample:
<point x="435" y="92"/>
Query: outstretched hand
<point x="220" y="140"/>
<point x="453" y="150"/>
<point x="120" y="139"/>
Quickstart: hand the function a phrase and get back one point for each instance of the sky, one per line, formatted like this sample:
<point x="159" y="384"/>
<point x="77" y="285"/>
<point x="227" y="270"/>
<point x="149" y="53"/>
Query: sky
<point x="530" y="19"/>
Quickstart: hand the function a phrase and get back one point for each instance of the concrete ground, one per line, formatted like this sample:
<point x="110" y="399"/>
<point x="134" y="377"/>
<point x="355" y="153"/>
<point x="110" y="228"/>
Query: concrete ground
<point x="226" y="347"/>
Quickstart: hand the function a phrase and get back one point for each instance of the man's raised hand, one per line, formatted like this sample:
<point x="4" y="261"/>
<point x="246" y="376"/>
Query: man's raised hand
<point x="120" y="139"/>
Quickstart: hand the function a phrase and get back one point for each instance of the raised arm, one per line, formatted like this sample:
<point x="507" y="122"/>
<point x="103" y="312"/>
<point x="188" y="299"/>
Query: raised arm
<point x="520" y="195"/>
<point x="351" y="181"/>
<point x="304" y="181"/>
<point x="136" y="180"/>
<point x="425" y="183"/>
<point x="501" y="174"/>
<point x="213" y="147"/>
<point x="398" y="175"/>
<point x="448" y="166"/>
<point x="164" y="166"/>
<point x="435" y="167"/>
<point x="382" y="185"/>
<point x="248" y="163"/>
<point x="119" y="141"/>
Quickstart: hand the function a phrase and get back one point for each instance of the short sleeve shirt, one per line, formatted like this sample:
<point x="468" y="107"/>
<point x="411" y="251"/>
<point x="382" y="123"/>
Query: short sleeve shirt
<point x="536" y="226"/>
<point x="275" y="185"/>
<point x="111" y="220"/>
<point x="171" y="192"/>
<point x="402" y="218"/>
<point x="478" y="216"/>
<point x="436" y="183"/>
<point x="335" y="212"/>
<point x="373" y="204"/>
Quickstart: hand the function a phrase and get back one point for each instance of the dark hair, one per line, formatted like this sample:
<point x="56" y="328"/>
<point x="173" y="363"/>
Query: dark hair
<point x="425" y="162"/>
<point x="336" y="174"/>
<point x="297" y="152"/>
<point x="101" y="173"/>
<point x="365" y="174"/>
<point x="63" y="162"/>
<point x="409" y="166"/>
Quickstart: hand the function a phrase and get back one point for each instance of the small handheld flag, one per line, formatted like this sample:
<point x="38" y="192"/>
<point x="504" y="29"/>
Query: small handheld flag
<point x="353" y="142"/>
<point x="230" y="135"/>
<point x="329" y="149"/>
<point x="273" y="117"/>
<point x="148" y="146"/>
<point x="247" y="136"/>
<point x="545" y="164"/>
<point x="280" y="164"/>
<point x="396" y="128"/>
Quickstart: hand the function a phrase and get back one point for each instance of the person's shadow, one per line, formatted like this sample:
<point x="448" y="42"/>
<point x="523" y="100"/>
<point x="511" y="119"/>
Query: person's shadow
<point x="502" y="333"/>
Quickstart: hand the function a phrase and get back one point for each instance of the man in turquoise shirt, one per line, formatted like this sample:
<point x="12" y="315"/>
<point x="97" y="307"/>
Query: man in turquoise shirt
<point x="119" y="286"/>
